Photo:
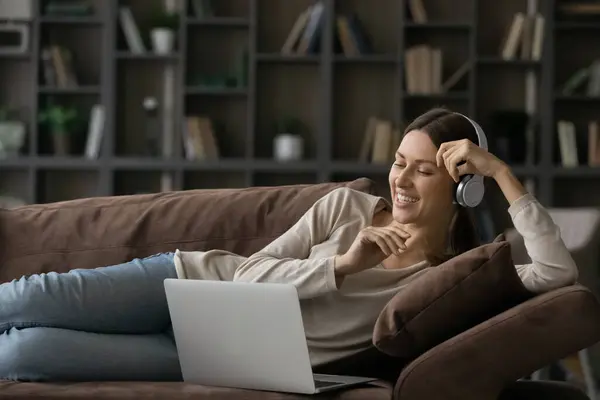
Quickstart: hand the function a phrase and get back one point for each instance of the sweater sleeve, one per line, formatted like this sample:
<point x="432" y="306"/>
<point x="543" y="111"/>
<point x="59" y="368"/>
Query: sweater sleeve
<point x="286" y="259"/>
<point x="551" y="264"/>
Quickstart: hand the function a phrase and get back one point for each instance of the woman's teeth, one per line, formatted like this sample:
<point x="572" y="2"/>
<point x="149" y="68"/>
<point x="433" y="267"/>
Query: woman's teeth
<point x="406" y="199"/>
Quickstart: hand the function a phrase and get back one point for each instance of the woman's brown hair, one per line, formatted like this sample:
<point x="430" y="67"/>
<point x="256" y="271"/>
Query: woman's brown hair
<point x="442" y="125"/>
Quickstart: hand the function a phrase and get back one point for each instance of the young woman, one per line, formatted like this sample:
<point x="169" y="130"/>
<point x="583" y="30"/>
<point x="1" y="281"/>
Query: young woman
<point x="348" y="255"/>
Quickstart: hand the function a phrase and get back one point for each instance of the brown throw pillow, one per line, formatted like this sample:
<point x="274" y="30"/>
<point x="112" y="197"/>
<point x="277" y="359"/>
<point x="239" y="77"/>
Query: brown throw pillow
<point x="451" y="298"/>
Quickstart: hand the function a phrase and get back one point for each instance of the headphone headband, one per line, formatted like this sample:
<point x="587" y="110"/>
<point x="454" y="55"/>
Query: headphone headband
<point x="478" y="130"/>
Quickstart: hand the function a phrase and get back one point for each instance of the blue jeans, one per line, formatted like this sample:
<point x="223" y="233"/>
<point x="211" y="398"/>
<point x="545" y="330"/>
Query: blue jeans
<point x="108" y="323"/>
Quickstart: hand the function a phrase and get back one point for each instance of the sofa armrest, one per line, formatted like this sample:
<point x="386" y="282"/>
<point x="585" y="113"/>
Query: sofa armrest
<point x="481" y="362"/>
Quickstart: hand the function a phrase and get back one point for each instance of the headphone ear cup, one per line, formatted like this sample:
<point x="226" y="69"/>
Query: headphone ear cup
<point x="460" y="190"/>
<point x="470" y="191"/>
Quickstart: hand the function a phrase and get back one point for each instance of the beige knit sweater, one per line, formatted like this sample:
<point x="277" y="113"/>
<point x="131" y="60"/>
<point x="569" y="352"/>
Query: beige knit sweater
<point x="339" y="322"/>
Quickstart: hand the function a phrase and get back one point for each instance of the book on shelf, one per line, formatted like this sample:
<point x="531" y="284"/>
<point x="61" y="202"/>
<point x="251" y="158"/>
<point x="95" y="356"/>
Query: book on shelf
<point x="593" y="144"/>
<point x="58" y="67"/>
<point x="577" y="81"/>
<point x="524" y="35"/>
<point x="567" y="141"/>
<point x="351" y="37"/>
<point x="131" y="31"/>
<point x="380" y="141"/>
<point x="305" y="36"/>
<point x="568" y="146"/>
<point x="199" y="140"/>
<point x="424" y="69"/>
<point x="416" y="11"/>
<point x="95" y="131"/>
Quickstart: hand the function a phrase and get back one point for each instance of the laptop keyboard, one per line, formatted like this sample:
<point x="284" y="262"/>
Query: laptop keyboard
<point x="323" y="384"/>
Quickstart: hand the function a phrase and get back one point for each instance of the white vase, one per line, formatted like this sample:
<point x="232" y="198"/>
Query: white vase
<point x="12" y="137"/>
<point x="288" y="147"/>
<point x="163" y="40"/>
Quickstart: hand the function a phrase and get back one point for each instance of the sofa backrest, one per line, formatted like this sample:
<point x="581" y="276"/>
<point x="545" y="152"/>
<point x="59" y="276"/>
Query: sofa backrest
<point x="94" y="232"/>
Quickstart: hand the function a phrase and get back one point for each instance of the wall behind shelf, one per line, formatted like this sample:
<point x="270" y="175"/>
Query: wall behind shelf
<point x="332" y="94"/>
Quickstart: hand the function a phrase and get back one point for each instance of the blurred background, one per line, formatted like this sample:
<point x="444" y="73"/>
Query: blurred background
<point x="115" y="97"/>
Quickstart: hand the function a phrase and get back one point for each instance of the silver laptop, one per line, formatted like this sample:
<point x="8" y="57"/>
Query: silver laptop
<point x="244" y="335"/>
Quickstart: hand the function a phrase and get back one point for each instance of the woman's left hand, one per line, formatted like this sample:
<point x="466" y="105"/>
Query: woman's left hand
<point x="472" y="159"/>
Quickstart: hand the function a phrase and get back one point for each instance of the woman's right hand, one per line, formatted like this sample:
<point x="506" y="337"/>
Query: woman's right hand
<point x="371" y="246"/>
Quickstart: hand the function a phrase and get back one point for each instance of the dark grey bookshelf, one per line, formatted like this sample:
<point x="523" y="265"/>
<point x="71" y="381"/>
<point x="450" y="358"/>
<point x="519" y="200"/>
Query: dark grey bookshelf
<point x="333" y="94"/>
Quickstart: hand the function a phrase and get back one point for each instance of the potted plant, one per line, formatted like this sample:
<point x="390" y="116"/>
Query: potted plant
<point x="12" y="133"/>
<point x="162" y="34"/>
<point x="60" y="121"/>
<point x="288" y="144"/>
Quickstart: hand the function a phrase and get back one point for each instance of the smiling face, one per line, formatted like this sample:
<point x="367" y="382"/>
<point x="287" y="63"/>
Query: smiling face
<point x="422" y="192"/>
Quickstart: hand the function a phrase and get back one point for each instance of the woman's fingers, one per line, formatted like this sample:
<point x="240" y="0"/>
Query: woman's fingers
<point x="390" y="239"/>
<point x="383" y="243"/>
<point x="439" y="156"/>
<point x="452" y="160"/>
<point x="399" y="236"/>
<point x="393" y="240"/>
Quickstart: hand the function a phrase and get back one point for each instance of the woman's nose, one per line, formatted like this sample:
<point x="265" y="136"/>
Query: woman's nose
<point x="403" y="178"/>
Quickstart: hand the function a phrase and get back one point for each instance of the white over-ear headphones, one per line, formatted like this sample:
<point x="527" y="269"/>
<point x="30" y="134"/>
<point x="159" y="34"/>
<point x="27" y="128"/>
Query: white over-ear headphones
<point x="470" y="189"/>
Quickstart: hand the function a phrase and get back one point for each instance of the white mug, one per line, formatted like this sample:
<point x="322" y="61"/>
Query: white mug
<point x="163" y="40"/>
<point x="288" y="147"/>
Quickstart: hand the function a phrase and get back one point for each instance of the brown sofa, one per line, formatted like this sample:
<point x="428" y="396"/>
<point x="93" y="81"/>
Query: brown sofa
<point x="484" y="362"/>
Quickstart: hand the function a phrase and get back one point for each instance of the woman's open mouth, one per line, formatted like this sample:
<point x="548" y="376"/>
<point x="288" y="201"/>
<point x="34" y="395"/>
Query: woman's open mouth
<point x="402" y="199"/>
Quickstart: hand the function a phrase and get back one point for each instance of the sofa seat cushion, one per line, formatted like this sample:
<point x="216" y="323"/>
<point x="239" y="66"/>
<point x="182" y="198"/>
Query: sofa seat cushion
<point x="450" y="299"/>
<point x="170" y="391"/>
<point x="95" y="232"/>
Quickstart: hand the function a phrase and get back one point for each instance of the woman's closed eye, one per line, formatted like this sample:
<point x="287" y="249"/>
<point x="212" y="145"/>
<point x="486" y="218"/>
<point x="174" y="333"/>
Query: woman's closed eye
<point x="420" y="171"/>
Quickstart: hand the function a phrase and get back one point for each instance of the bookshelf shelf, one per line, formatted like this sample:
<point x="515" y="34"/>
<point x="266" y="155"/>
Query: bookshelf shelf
<point x="215" y="91"/>
<point x="577" y="172"/>
<point x="228" y="66"/>
<point x="64" y="20"/>
<point x="367" y="59"/>
<point x="84" y="90"/>
<point x="577" y="98"/>
<point x="287" y="58"/>
<point x="439" y="25"/>
<point x="497" y="61"/>
<point x="463" y="95"/>
<point x="585" y="27"/>
<point x="223" y="22"/>
<point x="148" y="56"/>
<point x="26" y="56"/>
